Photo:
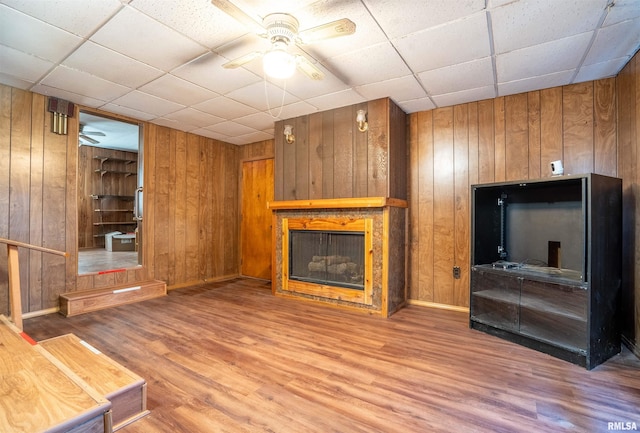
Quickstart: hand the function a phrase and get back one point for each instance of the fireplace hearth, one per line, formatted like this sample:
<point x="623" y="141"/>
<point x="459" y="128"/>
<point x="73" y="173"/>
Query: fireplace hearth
<point x="338" y="252"/>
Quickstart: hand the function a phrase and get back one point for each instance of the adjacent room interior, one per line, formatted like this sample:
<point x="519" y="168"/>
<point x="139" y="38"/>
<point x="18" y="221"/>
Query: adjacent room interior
<point x="354" y="216"/>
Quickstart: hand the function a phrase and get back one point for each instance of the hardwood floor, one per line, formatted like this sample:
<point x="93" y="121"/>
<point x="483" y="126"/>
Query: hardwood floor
<point x="230" y="357"/>
<point x="99" y="259"/>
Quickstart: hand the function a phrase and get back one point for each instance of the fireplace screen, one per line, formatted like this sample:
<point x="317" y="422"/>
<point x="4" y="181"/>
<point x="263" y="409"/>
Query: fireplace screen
<point x="335" y="258"/>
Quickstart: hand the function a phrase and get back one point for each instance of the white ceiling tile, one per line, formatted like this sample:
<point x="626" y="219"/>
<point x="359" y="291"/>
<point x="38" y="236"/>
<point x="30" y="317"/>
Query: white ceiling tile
<point x="595" y="71"/>
<point x="194" y="117"/>
<point x="110" y="65"/>
<point x="252" y="138"/>
<point x="535" y="83"/>
<point x="175" y="124"/>
<point x="543" y="59"/>
<point x="70" y="15"/>
<point x="225" y="108"/>
<point x="262" y="96"/>
<point x="136" y="35"/>
<point x="401" y="88"/>
<point x="22" y="66"/>
<point x="296" y="109"/>
<point x="32" y="36"/>
<point x="409" y="16"/>
<point x="207" y="71"/>
<point x="335" y="100"/>
<point x="200" y="21"/>
<point x="128" y="111"/>
<point x="260" y="121"/>
<point x="607" y="42"/>
<point x="456" y="42"/>
<point x="178" y="90"/>
<point x="231" y="128"/>
<point x="69" y="96"/>
<point x="211" y="134"/>
<point x="622" y="10"/>
<point x="367" y="32"/>
<point x="146" y="103"/>
<point x="464" y="96"/>
<point x="383" y="63"/>
<point x="469" y="75"/>
<point x="84" y="84"/>
<point x="10" y="80"/>
<point x="304" y="87"/>
<point x="261" y="8"/>
<point x="414" y="105"/>
<point x="525" y="23"/>
<point x="237" y="140"/>
<point x="497" y="3"/>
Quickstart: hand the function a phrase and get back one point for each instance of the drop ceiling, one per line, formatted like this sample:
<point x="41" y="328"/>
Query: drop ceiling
<point x="161" y="61"/>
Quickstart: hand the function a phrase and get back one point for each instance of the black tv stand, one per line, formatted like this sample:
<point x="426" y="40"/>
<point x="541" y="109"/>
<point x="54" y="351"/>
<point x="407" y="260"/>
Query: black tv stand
<point x="569" y="308"/>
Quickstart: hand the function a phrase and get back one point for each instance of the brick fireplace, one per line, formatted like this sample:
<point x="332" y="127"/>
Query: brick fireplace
<point x="343" y="252"/>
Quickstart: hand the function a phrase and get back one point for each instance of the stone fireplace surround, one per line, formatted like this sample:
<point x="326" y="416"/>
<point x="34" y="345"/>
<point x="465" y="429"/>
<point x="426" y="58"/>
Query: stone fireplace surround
<point x="383" y="221"/>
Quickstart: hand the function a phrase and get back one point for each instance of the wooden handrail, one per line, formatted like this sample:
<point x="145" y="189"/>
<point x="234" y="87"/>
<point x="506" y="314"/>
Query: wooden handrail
<point x="33" y="247"/>
<point x="14" y="275"/>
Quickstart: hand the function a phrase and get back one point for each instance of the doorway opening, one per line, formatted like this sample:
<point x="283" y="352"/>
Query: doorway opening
<point x="109" y="194"/>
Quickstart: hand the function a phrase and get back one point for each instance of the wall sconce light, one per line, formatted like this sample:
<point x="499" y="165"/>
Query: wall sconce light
<point x="361" y="120"/>
<point x="288" y="134"/>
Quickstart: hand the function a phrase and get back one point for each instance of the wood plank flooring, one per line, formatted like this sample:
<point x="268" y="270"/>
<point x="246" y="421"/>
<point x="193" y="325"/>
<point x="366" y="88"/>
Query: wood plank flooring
<point x="99" y="259"/>
<point x="230" y="357"/>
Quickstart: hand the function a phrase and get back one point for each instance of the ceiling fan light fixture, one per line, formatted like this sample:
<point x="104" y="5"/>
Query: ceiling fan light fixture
<point x="278" y="63"/>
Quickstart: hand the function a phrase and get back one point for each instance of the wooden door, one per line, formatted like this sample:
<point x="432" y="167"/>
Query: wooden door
<point x="255" y="231"/>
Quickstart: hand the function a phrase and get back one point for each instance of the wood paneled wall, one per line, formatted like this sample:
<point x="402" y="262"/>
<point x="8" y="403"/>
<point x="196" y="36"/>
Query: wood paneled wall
<point x="191" y="205"/>
<point x="507" y="138"/>
<point x="257" y="150"/>
<point x="34" y="188"/>
<point x="628" y="93"/>
<point x="330" y="158"/>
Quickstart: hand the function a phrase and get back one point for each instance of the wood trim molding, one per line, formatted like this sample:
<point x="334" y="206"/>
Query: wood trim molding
<point x="338" y="203"/>
<point x="438" y="305"/>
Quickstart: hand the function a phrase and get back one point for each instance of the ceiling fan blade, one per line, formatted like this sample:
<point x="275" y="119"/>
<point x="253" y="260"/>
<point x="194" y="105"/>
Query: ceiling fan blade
<point x="334" y="29"/>
<point x="239" y="15"/>
<point x="308" y="68"/>
<point x="243" y="60"/>
<point x="83" y="132"/>
<point x="89" y="139"/>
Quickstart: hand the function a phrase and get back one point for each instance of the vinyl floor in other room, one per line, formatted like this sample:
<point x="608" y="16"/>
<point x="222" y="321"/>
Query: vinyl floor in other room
<point x="231" y="357"/>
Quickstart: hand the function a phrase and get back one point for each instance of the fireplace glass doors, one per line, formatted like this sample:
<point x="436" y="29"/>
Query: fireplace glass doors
<point x="335" y="258"/>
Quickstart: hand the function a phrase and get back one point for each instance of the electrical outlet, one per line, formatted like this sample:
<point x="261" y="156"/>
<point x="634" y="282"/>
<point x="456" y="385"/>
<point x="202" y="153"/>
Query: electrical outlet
<point x="456" y="272"/>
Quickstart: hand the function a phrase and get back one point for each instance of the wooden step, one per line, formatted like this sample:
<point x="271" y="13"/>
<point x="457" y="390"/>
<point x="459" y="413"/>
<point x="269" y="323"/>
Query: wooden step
<point x="85" y="301"/>
<point x="126" y="391"/>
<point x="39" y="393"/>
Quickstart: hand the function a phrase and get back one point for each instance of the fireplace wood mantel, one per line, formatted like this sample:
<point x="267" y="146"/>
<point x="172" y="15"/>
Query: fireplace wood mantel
<point x="338" y="203"/>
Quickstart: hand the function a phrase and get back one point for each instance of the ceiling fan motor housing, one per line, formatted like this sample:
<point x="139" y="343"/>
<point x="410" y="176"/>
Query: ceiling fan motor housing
<point x="281" y="27"/>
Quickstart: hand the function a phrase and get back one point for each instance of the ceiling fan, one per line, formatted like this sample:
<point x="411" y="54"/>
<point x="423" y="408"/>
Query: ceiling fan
<point x="281" y="30"/>
<point x="84" y="135"/>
